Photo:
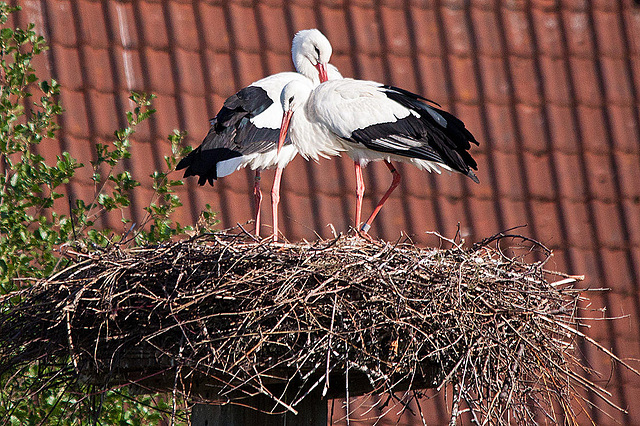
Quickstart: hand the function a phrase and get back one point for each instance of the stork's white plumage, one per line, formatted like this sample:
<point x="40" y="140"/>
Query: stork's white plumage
<point x="370" y="121"/>
<point x="244" y="133"/>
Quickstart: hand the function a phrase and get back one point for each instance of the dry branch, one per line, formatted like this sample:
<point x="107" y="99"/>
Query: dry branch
<point x="221" y="318"/>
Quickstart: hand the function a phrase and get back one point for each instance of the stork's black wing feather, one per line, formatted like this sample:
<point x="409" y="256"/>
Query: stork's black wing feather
<point x="430" y="134"/>
<point x="232" y="134"/>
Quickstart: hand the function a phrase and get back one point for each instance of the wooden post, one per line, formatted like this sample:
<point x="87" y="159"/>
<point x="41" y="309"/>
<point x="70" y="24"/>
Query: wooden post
<point x="312" y="411"/>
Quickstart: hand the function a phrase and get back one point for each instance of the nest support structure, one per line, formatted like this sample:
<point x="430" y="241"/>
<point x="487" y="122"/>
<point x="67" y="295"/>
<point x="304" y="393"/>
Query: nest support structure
<point x="223" y="318"/>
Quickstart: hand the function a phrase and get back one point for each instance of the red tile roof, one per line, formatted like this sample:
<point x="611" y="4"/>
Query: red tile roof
<point x="551" y="90"/>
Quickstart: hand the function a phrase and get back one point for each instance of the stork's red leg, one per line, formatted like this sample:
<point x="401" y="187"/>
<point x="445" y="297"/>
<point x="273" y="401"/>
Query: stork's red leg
<point x="275" y="199"/>
<point x="359" y="192"/>
<point x="394" y="183"/>
<point x="257" y="194"/>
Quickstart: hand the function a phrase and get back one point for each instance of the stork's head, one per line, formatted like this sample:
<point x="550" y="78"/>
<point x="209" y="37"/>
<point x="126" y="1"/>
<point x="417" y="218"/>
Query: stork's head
<point x="311" y="52"/>
<point x="293" y="97"/>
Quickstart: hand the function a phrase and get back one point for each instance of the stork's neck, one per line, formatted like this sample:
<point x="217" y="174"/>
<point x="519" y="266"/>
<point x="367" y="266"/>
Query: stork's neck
<point x="304" y="67"/>
<point x="312" y="139"/>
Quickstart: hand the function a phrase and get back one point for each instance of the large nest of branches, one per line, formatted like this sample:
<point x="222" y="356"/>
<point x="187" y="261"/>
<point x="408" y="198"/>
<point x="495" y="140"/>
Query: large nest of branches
<point x="223" y="317"/>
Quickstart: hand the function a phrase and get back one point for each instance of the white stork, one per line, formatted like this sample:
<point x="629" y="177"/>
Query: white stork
<point x="245" y="131"/>
<point x="371" y="121"/>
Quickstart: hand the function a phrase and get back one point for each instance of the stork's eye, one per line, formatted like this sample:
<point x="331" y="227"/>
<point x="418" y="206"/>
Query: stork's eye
<point x="317" y="51"/>
<point x="291" y="99"/>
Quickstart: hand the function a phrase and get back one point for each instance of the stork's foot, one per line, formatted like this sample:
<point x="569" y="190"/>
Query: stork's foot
<point x="363" y="233"/>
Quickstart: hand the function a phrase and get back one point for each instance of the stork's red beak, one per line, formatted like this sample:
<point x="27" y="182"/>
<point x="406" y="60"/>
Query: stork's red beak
<point x="322" y="70"/>
<point x="284" y="127"/>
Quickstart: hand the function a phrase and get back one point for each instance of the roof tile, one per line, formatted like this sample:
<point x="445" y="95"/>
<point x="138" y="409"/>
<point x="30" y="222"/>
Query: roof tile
<point x="143" y="159"/>
<point x="502" y="129"/>
<point x="526" y="86"/>
<point x="222" y="74"/>
<point x="570" y="182"/>
<point x="464" y="82"/>
<point x="63" y="31"/>
<point x="154" y="28"/>
<point x="93" y="30"/>
<point x="583" y="72"/>
<point x="517" y="32"/>
<point x="336" y="176"/>
<point x="632" y="21"/>
<point x="531" y="123"/>
<point x="616" y="81"/>
<point x="628" y="166"/>
<point x="402" y="73"/>
<point x="584" y="263"/>
<point x="245" y="30"/>
<point x="370" y="68"/>
<point x="545" y="5"/>
<point x="562" y="129"/>
<point x="161" y="80"/>
<point x="623" y="306"/>
<point x="594" y="136"/>
<point x="195" y="113"/>
<point x="419" y="186"/>
<point x="508" y="176"/>
<point x="608" y="33"/>
<point x="276" y="37"/>
<point x="434" y="82"/>
<point x="456" y="31"/>
<point x="578" y="230"/>
<point x="547" y="30"/>
<point x="540" y="178"/>
<point x="451" y="210"/>
<point x="166" y="114"/>
<point x="68" y="68"/>
<point x="426" y="30"/>
<point x="605" y="5"/>
<point x="237" y="207"/>
<point x="190" y="71"/>
<point x="344" y="64"/>
<point x="489" y="41"/>
<point x="185" y="30"/>
<point x="421" y="216"/>
<point x="129" y="69"/>
<point x="303" y="17"/>
<point x="335" y="28"/>
<point x="484" y="215"/>
<point x="242" y="181"/>
<point x="578" y="39"/>
<point x="608" y="226"/>
<point x="556" y="80"/>
<point x="42" y="65"/>
<point x="625" y="131"/>
<point x="98" y="69"/>
<point x="75" y="113"/>
<point x="279" y="63"/>
<point x="600" y="176"/>
<point x="397" y="37"/>
<point x="484" y="189"/>
<point x="214" y="27"/>
<point x="547" y="224"/>
<point x="367" y="35"/>
<point x="631" y="208"/>
<point x="635" y="70"/>
<point x="296" y="175"/>
<point x="82" y="150"/>
<point x="514" y="211"/>
<point x="103" y="116"/>
<point x="496" y="86"/>
<point x="249" y="68"/>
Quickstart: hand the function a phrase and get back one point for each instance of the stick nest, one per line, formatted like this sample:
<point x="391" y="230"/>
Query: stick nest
<point x="222" y="317"/>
